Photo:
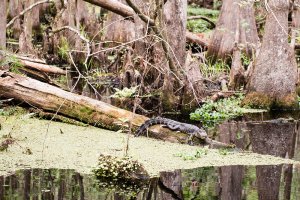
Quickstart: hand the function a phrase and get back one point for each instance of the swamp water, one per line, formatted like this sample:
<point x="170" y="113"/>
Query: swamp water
<point x="278" y="137"/>
<point x="228" y="183"/>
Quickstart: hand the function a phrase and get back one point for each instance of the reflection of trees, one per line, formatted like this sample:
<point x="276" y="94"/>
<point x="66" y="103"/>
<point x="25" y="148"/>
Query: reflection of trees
<point x="46" y="184"/>
<point x="231" y="177"/>
<point x="170" y="185"/>
<point x="27" y="181"/>
<point x="274" y="137"/>
<point x="200" y="183"/>
<point x="231" y="182"/>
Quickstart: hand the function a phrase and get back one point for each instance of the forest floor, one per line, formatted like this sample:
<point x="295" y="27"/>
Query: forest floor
<point x="47" y="144"/>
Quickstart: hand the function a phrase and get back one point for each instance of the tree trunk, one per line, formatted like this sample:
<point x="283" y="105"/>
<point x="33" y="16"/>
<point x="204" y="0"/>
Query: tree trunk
<point x="15" y="7"/>
<point x="25" y="40"/>
<point x="170" y="184"/>
<point x="231" y="179"/>
<point x="173" y="18"/>
<point x="3" y="25"/>
<point x="235" y="16"/>
<point x="118" y="29"/>
<point x="274" y="77"/>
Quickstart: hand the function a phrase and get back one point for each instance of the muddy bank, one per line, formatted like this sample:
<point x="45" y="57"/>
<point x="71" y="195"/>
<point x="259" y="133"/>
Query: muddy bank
<point x="59" y="145"/>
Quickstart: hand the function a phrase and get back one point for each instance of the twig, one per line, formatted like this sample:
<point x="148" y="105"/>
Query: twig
<point x="26" y="10"/>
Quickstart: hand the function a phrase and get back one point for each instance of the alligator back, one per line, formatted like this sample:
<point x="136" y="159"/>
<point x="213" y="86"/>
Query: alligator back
<point x="174" y="126"/>
<point x="151" y="122"/>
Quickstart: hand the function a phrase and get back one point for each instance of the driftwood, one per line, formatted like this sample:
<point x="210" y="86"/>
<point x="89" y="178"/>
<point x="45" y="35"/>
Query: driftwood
<point x="85" y="109"/>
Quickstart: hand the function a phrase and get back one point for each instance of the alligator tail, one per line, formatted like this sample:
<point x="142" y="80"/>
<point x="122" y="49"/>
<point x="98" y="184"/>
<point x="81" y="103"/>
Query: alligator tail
<point x="147" y="124"/>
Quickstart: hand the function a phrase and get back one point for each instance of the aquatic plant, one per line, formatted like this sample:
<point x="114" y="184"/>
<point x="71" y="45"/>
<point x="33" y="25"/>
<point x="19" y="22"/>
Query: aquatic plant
<point x="193" y="155"/>
<point x="122" y="174"/>
<point x="212" y="113"/>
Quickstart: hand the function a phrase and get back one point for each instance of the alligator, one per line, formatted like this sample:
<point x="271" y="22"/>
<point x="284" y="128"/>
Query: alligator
<point x="173" y="125"/>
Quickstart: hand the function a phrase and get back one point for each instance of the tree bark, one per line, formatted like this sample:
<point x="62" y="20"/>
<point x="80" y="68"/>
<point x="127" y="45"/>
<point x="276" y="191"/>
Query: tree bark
<point x="127" y="12"/>
<point x="2" y="25"/>
<point x="277" y="138"/>
<point x="25" y="43"/>
<point x="274" y="77"/>
<point x="235" y="16"/>
<point x="118" y="29"/>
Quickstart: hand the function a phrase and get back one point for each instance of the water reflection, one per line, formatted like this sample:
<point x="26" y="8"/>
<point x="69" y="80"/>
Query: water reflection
<point x="228" y="183"/>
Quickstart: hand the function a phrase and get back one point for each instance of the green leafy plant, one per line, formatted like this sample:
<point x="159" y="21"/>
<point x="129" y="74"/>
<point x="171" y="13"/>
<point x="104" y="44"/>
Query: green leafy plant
<point x="198" y="26"/>
<point x="125" y="92"/>
<point x="223" y="151"/>
<point x="245" y="59"/>
<point x="212" y="113"/>
<point x="121" y="174"/>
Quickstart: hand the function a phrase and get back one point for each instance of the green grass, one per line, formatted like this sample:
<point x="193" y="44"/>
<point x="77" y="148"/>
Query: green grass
<point x="209" y="69"/>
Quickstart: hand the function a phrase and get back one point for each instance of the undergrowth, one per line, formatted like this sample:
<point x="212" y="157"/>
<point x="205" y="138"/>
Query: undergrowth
<point x="194" y="10"/>
<point x="212" y="113"/>
<point x="199" y="25"/>
<point x="210" y="69"/>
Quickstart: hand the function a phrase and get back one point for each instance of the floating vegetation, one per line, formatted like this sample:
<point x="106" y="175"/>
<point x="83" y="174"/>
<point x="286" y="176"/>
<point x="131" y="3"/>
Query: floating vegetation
<point x="194" y="155"/>
<point x="121" y="174"/>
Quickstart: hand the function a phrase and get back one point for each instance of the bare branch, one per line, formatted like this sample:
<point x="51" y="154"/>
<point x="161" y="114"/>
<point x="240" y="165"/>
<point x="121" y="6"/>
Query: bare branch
<point x="26" y="10"/>
<point x="114" y="6"/>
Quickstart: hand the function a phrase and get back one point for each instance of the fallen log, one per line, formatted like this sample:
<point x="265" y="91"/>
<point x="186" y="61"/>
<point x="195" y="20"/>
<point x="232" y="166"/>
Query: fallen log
<point x="82" y="108"/>
<point x="43" y="67"/>
<point x="36" y="64"/>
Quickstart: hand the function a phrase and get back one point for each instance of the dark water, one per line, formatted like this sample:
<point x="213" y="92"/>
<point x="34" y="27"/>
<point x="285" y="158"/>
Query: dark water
<point x="279" y="137"/>
<point x="230" y="182"/>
